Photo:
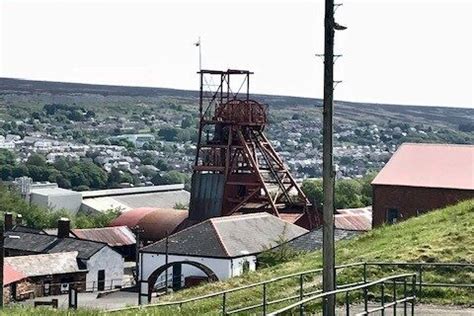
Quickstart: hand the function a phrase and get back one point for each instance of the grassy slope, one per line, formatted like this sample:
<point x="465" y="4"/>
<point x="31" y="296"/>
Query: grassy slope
<point x="442" y="236"/>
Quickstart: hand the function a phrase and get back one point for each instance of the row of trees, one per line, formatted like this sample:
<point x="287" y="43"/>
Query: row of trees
<point x="349" y="193"/>
<point x="38" y="217"/>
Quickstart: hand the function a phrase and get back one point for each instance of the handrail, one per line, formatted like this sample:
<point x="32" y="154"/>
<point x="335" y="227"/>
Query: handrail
<point x="357" y="287"/>
<point x="349" y="265"/>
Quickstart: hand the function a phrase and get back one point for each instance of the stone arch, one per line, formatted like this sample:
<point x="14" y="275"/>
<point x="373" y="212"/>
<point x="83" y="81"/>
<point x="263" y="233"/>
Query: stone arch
<point x="155" y="274"/>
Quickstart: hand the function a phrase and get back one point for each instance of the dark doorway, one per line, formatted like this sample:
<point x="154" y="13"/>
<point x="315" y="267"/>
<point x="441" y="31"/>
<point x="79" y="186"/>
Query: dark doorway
<point x="101" y="280"/>
<point x="392" y="215"/>
<point x="47" y="288"/>
<point x="177" y="271"/>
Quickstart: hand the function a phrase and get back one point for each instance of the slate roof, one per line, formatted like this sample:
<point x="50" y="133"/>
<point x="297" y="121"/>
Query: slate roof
<point x="430" y="165"/>
<point x="85" y="248"/>
<point x="313" y="240"/>
<point x="230" y="236"/>
<point x="112" y="236"/>
<point x="42" y="243"/>
<point x="26" y="229"/>
<point x="45" y="264"/>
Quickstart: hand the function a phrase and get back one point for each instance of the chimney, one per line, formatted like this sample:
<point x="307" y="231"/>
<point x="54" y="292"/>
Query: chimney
<point x="64" y="226"/>
<point x="8" y="221"/>
<point x="19" y="219"/>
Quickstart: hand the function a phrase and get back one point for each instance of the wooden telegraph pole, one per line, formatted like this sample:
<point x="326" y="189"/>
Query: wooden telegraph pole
<point x="329" y="277"/>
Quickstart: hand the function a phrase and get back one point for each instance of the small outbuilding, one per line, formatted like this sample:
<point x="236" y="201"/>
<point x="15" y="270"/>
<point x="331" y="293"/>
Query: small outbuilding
<point x="215" y="249"/>
<point x="422" y="177"/>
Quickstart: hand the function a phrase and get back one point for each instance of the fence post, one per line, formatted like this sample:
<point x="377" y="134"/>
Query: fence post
<point x="365" y="272"/>
<point x="366" y="303"/>
<point x="347" y="303"/>
<point x="394" y="297"/>
<point x="413" y="293"/>
<point x="405" y="296"/>
<point x="301" y="293"/>
<point x="383" y="298"/>
<point x="420" y="271"/>
<point x="264" y="303"/>
<point x="223" y="304"/>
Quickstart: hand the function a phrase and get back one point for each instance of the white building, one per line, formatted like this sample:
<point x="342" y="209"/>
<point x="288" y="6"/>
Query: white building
<point x="217" y="249"/>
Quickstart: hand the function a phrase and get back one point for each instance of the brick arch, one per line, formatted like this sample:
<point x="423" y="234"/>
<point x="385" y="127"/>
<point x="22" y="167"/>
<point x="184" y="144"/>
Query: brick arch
<point x="155" y="274"/>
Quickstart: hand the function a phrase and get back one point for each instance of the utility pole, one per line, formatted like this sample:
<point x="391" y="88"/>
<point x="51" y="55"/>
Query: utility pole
<point x="166" y="262"/>
<point x="198" y="44"/>
<point x="137" y="230"/>
<point x="329" y="276"/>
<point x="2" y="256"/>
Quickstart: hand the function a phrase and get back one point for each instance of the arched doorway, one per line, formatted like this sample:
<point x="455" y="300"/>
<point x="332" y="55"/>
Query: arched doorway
<point x="155" y="274"/>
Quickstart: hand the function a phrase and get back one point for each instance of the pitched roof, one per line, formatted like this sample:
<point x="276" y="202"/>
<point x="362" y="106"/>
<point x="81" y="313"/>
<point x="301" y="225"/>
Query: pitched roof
<point x="42" y="243"/>
<point x="10" y="275"/>
<point x="230" y="236"/>
<point x="85" y="248"/>
<point x="354" y="219"/>
<point x="45" y="264"/>
<point x="430" y="165"/>
<point x="112" y="236"/>
<point x="313" y="240"/>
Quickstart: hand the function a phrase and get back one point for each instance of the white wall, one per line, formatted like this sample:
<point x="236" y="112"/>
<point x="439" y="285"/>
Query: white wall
<point x="223" y="268"/>
<point x="109" y="260"/>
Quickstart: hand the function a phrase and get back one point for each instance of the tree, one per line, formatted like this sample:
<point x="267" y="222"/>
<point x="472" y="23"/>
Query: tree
<point x="348" y="193"/>
<point x="36" y="160"/>
<point x="168" y="133"/>
<point x="314" y="191"/>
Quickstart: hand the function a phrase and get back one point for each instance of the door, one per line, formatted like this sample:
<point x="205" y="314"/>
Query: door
<point x="101" y="280"/>
<point x="392" y="215"/>
<point x="46" y="288"/>
<point x="177" y="276"/>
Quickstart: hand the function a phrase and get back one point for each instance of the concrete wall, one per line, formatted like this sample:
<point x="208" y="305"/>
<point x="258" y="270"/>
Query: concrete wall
<point x="108" y="260"/>
<point x="410" y="201"/>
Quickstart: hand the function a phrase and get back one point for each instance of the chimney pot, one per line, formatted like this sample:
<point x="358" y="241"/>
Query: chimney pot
<point x="8" y="221"/>
<point x="64" y="226"/>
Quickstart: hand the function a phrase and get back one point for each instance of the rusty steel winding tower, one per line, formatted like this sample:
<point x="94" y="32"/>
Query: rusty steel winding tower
<point x="236" y="168"/>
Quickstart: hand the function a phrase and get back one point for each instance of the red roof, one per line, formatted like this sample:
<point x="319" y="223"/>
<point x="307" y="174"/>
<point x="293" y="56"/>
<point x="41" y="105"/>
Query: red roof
<point x="113" y="236"/>
<point x="354" y="219"/>
<point x="10" y="275"/>
<point x="430" y="165"/>
<point x="155" y="222"/>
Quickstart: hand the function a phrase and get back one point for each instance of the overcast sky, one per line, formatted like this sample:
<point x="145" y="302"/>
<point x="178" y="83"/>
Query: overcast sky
<point x="416" y="52"/>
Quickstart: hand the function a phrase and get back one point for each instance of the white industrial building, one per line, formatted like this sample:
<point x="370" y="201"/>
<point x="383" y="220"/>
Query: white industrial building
<point x="218" y="248"/>
<point x="49" y="195"/>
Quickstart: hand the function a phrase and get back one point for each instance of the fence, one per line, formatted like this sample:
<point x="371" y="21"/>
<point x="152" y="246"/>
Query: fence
<point x="303" y="278"/>
<point x="394" y="281"/>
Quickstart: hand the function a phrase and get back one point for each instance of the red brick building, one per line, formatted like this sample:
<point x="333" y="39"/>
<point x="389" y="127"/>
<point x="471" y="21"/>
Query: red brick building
<point x="422" y="177"/>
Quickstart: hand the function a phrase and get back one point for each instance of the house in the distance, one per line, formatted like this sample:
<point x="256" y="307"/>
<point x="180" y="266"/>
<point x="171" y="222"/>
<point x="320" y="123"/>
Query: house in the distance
<point x="422" y="177"/>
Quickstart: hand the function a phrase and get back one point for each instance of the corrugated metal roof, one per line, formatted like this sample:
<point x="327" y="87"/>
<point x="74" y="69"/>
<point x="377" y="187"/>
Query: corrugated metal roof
<point x="45" y="264"/>
<point x="155" y="222"/>
<point x="10" y="275"/>
<point x="430" y="165"/>
<point x="112" y="236"/>
<point x="229" y="236"/>
<point x="138" y="190"/>
<point x="161" y="199"/>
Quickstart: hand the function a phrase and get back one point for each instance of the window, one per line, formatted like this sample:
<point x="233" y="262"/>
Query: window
<point x="392" y="215"/>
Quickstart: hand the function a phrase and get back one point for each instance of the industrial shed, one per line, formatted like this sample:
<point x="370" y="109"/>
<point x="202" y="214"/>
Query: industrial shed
<point x="422" y="177"/>
<point x="218" y="248"/>
<point x="162" y="196"/>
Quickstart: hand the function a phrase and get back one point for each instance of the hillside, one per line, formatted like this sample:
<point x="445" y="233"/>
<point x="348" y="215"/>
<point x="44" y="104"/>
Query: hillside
<point x="445" y="235"/>
<point x="30" y="95"/>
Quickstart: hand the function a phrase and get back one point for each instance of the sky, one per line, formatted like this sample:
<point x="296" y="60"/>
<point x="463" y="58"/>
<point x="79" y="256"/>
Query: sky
<point x="414" y="52"/>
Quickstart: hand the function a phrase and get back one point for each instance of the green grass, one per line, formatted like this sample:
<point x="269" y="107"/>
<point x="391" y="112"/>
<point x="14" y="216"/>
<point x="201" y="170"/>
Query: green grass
<point x="445" y="235"/>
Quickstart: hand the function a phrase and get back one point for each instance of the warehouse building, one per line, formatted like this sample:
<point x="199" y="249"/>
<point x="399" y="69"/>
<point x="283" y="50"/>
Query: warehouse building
<point x="422" y="177"/>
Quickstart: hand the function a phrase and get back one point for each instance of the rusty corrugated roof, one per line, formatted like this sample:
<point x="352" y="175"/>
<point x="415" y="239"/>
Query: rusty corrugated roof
<point x="113" y="236"/>
<point x="430" y="165"/>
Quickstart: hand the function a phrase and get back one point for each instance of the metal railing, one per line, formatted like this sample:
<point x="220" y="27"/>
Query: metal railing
<point x="393" y="280"/>
<point x="266" y="302"/>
